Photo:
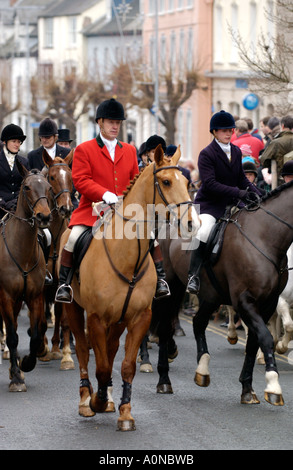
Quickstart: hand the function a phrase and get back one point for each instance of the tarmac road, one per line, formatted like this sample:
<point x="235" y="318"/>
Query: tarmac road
<point x="192" y="419"/>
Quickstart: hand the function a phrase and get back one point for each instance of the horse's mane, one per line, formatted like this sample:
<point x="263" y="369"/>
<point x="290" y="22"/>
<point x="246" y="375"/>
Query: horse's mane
<point x="276" y="191"/>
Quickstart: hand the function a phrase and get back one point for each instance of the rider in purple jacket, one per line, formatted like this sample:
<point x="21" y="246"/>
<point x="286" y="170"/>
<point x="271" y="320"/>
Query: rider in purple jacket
<point x="223" y="183"/>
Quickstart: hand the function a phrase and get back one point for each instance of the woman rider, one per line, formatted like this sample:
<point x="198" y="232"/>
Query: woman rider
<point x="223" y="182"/>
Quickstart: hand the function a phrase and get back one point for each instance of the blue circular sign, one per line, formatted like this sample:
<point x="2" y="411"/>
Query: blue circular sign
<point x="250" y="101"/>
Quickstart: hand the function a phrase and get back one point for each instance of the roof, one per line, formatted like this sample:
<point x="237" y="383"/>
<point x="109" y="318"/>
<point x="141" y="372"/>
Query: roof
<point x="68" y="7"/>
<point x="131" y="23"/>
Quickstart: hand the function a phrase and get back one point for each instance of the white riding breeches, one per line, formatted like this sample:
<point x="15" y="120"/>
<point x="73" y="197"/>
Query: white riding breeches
<point x="207" y="223"/>
<point x="76" y="231"/>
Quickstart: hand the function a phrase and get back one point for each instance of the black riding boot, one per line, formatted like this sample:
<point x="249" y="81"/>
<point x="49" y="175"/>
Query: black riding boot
<point x="162" y="285"/>
<point x="42" y="239"/>
<point x="196" y="260"/>
<point x="64" y="291"/>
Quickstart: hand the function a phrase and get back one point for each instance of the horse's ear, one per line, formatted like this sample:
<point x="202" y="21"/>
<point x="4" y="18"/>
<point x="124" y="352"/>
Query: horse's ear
<point x="176" y="157"/>
<point x="21" y="168"/>
<point x="159" y="155"/>
<point x="46" y="158"/>
<point x="68" y="159"/>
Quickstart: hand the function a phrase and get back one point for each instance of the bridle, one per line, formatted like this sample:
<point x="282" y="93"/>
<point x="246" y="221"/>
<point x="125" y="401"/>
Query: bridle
<point x="56" y="196"/>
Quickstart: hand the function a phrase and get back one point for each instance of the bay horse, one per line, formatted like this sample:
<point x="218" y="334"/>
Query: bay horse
<point x="249" y="275"/>
<point x="118" y="282"/>
<point x="58" y="173"/>
<point x="22" y="271"/>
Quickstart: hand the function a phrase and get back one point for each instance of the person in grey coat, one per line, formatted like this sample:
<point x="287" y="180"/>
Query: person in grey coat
<point x="223" y="183"/>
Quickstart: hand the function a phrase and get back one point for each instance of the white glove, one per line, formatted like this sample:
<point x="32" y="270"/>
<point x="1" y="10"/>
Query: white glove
<point x="109" y="198"/>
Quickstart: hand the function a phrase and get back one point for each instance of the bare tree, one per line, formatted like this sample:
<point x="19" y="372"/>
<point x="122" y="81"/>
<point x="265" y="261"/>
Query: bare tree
<point x="270" y="62"/>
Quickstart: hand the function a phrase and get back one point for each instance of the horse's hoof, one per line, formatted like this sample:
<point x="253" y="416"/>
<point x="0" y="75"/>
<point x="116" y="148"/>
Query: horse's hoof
<point x="249" y="398"/>
<point x="126" y="425"/>
<point x="147" y="368"/>
<point x="56" y="355"/>
<point x="172" y="356"/>
<point x="85" y="411"/>
<point x="67" y="365"/>
<point x="280" y="348"/>
<point x="17" y="387"/>
<point x="110" y="407"/>
<point x="232" y="340"/>
<point x="164" y="388"/>
<point x="274" y="399"/>
<point x="97" y="405"/>
<point x="179" y="332"/>
<point x="202" y="380"/>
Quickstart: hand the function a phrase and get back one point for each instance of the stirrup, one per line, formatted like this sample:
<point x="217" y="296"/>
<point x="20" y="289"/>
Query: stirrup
<point x="48" y="278"/>
<point x="167" y="294"/>
<point x="193" y="285"/>
<point x="69" y="290"/>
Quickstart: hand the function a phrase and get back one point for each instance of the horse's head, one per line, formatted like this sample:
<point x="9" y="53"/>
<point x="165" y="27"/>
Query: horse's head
<point x="33" y="200"/>
<point x="59" y="176"/>
<point x="171" y="190"/>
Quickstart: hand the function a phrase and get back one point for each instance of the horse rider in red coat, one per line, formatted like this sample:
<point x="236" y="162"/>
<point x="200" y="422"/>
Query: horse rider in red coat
<point x="223" y="183"/>
<point x="102" y="169"/>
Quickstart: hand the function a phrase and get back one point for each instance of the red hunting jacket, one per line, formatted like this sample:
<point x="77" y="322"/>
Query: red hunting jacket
<point x="94" y="173"/>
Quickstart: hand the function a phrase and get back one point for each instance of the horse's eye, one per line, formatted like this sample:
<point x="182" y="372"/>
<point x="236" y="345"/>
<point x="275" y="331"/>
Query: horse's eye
<point x="52" y="178"/>
<point x="166" y="182"/>
<point x="26" y="188"/>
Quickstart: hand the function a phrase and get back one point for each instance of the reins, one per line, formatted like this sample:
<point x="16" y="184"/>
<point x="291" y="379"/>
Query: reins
<point x="138" y="273"/>
<point x="237" y="224"/>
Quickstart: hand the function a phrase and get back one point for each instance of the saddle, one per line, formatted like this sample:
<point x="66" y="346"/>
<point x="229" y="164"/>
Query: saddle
<point x="81" y="246"/>
<point x="216" y="237"/>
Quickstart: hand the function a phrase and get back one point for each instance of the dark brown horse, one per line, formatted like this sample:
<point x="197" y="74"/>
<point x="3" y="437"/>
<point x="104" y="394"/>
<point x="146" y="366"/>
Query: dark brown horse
<point x="118" y="282"/>
<point x="249" y="275"/>
<point x="58" y="173"/>
<point x="22" y="271"/>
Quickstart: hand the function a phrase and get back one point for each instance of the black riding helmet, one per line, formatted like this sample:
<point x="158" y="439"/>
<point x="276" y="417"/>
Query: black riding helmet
<point x="110" y="109"/>
<point x="12" y="131"/>
<point x="222" y="120"/>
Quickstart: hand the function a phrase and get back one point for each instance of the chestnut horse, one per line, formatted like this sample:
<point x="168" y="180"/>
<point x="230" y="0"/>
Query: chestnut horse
<point x="249" y="275"/>
<point x="118" y="282"/>
<point x="58" y="173"/>
<point x="22" y="271"/>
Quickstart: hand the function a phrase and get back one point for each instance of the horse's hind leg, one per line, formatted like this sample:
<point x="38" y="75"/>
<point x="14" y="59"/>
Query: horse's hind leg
<point x="258" y="335"/>
<point x="38" y="328"/>
<point x="200" y="323"/>
<point x="145" y="363"/>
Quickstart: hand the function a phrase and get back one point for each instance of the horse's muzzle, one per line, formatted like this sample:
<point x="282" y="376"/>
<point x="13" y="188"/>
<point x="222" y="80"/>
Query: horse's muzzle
<point x="43" y="220"/>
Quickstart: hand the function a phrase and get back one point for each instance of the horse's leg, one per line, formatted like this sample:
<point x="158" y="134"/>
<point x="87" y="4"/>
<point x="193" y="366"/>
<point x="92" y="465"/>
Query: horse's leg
<point x="17" y="383"/>
<point x="200" y="323"/>
<point x="136" y="332"/>
<point x="56" y="353"/>
<point x="145" y="363"/>
<point x="67" y="362"/>
<point x="259" y="335"/>
<point x="38" y="328"/>
<point x="98" y="338"/>
<point x="75" y="316"/>
<point x="232" y="333"/>
<point x="283" y="311"/>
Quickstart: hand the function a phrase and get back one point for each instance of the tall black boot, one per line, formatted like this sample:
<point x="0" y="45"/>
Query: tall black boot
<point x="64" y="291"/>
<point x="196" y="261"/>
<point x="162" y="285"/>
<point x="42" y="239"/>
